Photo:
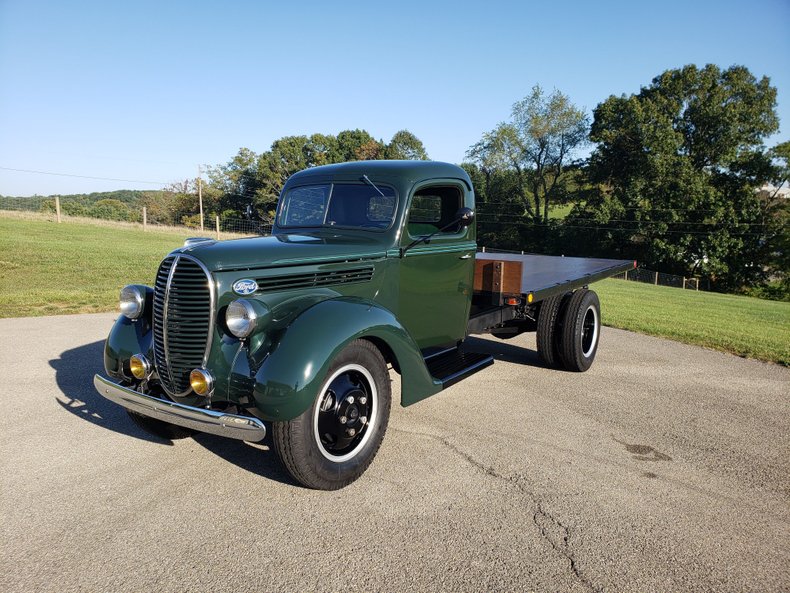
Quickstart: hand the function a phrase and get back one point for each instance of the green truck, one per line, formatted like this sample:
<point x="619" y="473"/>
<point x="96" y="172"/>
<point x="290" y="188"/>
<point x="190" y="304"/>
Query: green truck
<point x="370" y="266"/>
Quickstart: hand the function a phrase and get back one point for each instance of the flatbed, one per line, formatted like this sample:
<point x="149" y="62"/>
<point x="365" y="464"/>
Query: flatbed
<point x="538" y="277"/>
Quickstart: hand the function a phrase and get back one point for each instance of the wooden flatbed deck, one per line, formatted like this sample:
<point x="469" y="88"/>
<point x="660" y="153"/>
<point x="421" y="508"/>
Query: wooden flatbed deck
<point x="540" y="276"/>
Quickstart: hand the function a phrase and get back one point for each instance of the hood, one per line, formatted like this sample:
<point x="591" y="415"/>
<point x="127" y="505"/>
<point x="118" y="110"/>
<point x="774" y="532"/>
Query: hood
<point x="284" y="250"/>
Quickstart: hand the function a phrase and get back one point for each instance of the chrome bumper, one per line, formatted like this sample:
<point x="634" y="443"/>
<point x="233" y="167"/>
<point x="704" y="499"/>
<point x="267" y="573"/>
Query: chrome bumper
<point x="243" y="428"/>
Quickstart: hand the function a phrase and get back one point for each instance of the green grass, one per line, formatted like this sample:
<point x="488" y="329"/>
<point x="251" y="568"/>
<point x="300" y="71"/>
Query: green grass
<point x="746" y="326"/>
<point x="560" y="211"/>
<point x="48" y="268"/>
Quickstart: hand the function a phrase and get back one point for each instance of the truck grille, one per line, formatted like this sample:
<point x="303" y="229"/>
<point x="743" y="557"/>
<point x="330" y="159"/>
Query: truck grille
<point x="182" y="319"/>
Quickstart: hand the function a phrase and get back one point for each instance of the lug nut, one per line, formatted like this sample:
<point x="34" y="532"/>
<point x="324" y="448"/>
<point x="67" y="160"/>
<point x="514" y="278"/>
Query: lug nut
<point x="363" y="400"/>
<point x="351" y="432"/>
<point x="350" y="399"/>
<point x="363" y="420"/>
<point x="343" y="420"/>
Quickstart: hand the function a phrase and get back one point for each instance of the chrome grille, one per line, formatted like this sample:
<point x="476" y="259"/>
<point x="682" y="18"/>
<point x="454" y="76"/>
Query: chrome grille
<point x="314" y="279"/>
<point x="182" y="319"/>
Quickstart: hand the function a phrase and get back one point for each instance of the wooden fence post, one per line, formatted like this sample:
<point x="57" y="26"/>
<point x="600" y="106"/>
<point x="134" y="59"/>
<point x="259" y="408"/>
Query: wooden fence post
<point x="217" y="228"/>
<point x="57" y="207"/>
<point x="145" y="217"/>
<point x="656" y="281"/>
<point x="684" y="282"/>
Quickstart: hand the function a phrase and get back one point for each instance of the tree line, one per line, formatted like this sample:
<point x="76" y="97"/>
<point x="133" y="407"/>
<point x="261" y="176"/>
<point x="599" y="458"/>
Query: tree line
<point x="672" y="178"/>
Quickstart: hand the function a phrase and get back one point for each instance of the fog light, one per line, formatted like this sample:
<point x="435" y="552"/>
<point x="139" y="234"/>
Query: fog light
<point x="201" y="381"/>
<point x="139" y="366"/>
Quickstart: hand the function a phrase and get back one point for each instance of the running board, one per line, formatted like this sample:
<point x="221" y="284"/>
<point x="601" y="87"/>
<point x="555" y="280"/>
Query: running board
<point x="454" y="365"/>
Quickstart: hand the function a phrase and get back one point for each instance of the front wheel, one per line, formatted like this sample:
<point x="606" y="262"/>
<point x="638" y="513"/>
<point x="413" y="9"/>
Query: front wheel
<point x="333" y="442"/>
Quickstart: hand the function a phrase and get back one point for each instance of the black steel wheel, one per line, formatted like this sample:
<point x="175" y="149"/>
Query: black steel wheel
<point x="581" y="331"/>
<point x="333" y="442"/>
<point x="547" y="336"/>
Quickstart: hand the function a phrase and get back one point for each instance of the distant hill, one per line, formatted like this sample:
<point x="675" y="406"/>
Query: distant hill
<point x="127" y="196"/>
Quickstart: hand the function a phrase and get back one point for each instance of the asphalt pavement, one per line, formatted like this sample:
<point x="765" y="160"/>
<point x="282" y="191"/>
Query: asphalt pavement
<point x="665" y="467"/>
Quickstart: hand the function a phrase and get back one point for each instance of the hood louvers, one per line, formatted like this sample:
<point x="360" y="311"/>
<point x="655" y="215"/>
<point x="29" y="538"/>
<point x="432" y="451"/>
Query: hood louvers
<point x="315" y="279"/>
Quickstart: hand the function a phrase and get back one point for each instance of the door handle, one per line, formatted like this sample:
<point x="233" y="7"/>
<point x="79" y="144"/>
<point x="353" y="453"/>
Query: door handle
<point x="467" y="256"/>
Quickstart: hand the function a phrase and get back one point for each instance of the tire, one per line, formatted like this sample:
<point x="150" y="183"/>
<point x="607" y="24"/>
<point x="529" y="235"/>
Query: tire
<point x="581" y="331"/>
<point x="547" y="337"/>
<point x="158" y="428"/>
<point x="318" y="448"/>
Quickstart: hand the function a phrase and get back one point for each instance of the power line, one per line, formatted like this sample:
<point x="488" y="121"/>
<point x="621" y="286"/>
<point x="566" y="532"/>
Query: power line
<point x="519" y="219"/>
<point x="632" y="208"/>
<point x="611" y="228"/>
<point x="82" y="176"/>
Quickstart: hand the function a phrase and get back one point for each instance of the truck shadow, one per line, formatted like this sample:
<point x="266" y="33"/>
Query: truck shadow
<point x="258" y="458"/>
<point x="504" y="351"/>
<point x="74" y="370"/>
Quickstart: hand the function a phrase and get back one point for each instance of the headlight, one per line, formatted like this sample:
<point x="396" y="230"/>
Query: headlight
<point x="241" y="318"/>
<point x="132" y="301"/>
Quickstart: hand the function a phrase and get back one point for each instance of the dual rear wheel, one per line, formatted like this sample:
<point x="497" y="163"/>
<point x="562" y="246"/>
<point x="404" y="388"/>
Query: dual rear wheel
<point x="569" y="327"/>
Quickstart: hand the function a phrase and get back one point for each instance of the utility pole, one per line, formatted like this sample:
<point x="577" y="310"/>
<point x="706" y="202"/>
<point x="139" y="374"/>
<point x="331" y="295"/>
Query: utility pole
<point x="200" y="198"/>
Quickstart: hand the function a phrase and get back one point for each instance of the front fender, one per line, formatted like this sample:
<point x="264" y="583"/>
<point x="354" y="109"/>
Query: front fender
<point x="290" y="378"/>
<point x="127" y="337"/>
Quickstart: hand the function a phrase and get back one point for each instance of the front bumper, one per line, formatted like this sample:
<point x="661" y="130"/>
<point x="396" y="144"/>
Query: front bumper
<point x="243" y="428"/>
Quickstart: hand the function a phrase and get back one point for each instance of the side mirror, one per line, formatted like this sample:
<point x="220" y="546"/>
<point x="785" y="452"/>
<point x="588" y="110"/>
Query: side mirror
<point x="465" y="216"/>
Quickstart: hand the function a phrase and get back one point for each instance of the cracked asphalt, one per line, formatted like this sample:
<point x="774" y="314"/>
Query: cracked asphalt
<point x="663" y="468"/>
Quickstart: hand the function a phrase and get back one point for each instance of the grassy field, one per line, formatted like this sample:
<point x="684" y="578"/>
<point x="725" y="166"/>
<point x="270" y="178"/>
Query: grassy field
<point x="746" y="326"/>
<point x="48" y="268"/>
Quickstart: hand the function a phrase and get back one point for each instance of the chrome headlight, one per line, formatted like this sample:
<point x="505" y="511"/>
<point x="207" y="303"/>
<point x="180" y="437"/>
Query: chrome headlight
<point x="241" y="318"/>
<point x="132" y="300"/>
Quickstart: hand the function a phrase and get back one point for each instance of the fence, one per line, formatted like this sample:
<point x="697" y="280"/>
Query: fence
<point x="644" y="275"/>
<point x="225" y="225"/>
<point x="663" y="279"/>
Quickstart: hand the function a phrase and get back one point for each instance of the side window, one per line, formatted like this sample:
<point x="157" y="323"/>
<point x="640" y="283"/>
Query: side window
<point x="433" y="208"/>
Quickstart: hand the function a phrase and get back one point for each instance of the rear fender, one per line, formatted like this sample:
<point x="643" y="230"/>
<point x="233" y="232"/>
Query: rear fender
<point x="291" y="376"/>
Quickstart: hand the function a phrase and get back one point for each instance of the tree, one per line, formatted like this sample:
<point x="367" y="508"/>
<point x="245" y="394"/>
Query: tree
<point x="405" y="146"/>
<point x="257" y="179"/>
<point x="678" y="165"/>
<point x="536" y="146"/>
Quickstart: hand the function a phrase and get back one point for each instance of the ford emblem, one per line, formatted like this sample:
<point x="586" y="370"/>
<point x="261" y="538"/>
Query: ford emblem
<point x="245" y="286"/>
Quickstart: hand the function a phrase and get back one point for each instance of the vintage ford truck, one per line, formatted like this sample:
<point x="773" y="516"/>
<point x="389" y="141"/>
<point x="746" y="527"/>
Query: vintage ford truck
<point x="370" y="266"/>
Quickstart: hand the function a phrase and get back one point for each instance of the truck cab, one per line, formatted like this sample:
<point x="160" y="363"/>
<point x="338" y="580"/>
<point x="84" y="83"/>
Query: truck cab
<point x="371" y="267"/>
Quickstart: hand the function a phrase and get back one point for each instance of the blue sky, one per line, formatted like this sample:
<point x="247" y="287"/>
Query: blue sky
<point x="147" y="91"/>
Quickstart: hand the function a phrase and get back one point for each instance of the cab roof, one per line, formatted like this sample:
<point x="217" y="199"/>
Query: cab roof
<point x="408" y="172"/>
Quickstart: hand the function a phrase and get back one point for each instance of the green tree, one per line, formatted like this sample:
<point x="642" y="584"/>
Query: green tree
<point x="678" y="165"/>
<point x="257" y="179"/>
<point x="536" y="146"/>
<point x="405" y="146"/>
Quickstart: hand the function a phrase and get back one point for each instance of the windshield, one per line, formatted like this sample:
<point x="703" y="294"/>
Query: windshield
<point x="338" y="205"/>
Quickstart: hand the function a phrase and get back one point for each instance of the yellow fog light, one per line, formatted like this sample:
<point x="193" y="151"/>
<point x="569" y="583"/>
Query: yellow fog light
<point x="201" y="381"/>
<point x="139" y="366"/>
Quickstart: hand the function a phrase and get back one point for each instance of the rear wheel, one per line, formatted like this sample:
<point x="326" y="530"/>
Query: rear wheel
<point x="333" y="442"/>
<point x="547" y="337"/>
<point x="581" y="330"/>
